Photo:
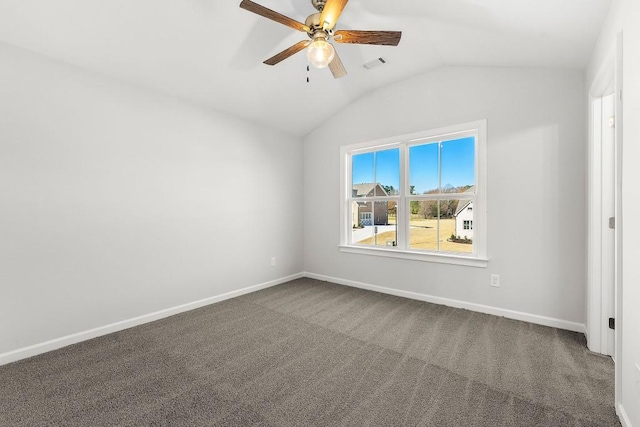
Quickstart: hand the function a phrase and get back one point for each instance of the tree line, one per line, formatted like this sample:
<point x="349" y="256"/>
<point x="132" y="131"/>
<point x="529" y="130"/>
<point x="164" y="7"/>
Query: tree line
<point x="429" y="208"/>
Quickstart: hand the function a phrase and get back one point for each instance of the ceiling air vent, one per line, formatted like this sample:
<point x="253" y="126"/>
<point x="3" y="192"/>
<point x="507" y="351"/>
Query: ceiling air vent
<point x="375" y="63"/>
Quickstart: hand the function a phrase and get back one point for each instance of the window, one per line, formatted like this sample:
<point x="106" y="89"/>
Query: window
<point x="417" y="196"/>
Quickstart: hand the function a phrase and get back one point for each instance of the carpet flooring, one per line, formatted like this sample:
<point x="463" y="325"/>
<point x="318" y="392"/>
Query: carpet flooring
<point x="311" y="353"/>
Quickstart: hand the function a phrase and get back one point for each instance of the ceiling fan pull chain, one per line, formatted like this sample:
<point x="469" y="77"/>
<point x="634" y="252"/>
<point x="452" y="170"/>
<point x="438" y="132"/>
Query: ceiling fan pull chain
<point x="308" y="73"/>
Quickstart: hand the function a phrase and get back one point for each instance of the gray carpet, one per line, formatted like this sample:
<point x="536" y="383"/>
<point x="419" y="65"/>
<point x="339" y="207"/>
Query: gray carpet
<point x="316" y="353"/>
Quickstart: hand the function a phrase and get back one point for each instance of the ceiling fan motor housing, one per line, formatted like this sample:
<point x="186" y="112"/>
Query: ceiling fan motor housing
<point x="313" y="22"/>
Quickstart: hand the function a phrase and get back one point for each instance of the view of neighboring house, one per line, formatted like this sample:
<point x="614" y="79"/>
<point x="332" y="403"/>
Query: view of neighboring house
<point x="464" y="219"/>
<point x="364" y="213"/>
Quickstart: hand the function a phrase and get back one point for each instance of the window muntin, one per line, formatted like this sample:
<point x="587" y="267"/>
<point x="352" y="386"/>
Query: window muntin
<point x="429" y="184"/>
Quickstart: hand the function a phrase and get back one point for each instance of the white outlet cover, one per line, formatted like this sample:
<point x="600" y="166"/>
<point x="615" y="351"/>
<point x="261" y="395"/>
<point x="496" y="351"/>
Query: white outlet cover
<point x="495" y="280"/>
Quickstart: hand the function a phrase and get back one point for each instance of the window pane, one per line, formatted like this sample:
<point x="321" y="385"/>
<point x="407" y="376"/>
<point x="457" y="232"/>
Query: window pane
<point x="385" y="232"/>
<point x="361" y="222"/>
<point x="363" y="174"/>
<point x="388" y="172"/>
<point x="458" y="165"/>
<point x="375" y="223"/>
<point x="393" y="213"/>
<point x="423" y="169"/>
<point x="456" y="226"/>
<point x="423" y="226"/>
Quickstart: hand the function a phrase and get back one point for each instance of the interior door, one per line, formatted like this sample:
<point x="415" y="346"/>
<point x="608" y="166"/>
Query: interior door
<point x="608" y="220"/>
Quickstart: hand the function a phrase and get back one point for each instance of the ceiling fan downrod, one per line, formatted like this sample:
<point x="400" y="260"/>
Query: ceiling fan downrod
<point x="318" y="4"/>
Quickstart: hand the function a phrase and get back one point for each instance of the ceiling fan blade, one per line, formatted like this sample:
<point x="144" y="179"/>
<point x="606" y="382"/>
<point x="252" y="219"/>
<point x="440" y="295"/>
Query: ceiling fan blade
<point x="274" y="16"/>
<point x="386" y="38"/>
<point x="337" y="68"/>
<point x="331" y="12"/>
<point x="287" y="52"/>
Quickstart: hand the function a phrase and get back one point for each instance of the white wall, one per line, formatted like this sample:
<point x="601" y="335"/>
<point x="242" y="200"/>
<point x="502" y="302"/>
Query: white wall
<point x="624" y="17"/>
<point x="117" y="202"/>
<point x="536" y="158"/>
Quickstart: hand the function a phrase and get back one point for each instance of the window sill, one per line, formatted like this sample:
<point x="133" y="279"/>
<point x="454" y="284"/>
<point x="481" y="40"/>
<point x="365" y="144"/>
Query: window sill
<point x="442" y="258"/>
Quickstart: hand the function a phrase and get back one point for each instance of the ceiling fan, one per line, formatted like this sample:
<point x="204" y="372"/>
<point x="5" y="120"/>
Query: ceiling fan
<point x="320" y="29"/>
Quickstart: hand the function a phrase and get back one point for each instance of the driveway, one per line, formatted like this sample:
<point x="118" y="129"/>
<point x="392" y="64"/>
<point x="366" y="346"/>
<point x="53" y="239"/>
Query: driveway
<point x="360" y="234"/>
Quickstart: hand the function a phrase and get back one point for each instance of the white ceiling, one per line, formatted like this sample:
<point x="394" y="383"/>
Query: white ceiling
<point x="211" y="51"/>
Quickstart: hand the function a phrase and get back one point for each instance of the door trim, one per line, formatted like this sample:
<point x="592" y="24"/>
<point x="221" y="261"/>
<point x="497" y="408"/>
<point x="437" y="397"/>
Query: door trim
<point x="610" y="76"/>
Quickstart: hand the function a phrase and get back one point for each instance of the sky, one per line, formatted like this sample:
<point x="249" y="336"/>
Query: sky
<point x="458" y="165"/>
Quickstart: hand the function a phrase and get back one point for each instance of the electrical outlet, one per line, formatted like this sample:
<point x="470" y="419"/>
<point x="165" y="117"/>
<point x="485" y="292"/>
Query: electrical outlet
<point x="637" y="378"/>
<point x="495" y="280"/>
<point x="273" y="261"/>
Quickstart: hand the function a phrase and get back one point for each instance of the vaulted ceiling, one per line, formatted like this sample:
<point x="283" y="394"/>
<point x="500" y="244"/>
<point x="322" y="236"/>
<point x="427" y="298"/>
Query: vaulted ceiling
<point x="211" y="51"/>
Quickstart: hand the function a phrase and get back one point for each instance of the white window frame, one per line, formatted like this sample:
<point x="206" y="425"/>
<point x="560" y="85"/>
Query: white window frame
<point x="479" y="256"/>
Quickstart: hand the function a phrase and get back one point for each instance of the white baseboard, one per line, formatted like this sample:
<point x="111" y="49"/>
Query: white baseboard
<point x="510" y="314"/>
<point x="622" y="414"/>
<point x="34" y="350"/>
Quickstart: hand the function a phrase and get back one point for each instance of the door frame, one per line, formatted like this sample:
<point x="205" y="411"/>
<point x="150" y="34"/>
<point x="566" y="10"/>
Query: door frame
<point x="609" y="77"/>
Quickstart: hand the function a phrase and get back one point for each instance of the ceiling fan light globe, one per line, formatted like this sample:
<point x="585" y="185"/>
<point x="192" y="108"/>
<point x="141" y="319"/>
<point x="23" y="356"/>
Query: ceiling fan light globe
<point x="320" y="53"/>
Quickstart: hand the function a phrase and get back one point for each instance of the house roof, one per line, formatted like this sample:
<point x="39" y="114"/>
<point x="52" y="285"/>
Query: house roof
<point x="362" y="190"/>
<point x="462" y="204"/>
